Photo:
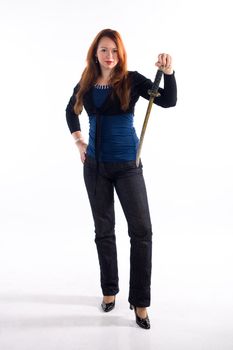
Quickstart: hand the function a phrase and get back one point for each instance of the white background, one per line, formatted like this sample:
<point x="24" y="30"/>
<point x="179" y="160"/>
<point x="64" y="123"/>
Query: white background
<point x="49" y="273"/>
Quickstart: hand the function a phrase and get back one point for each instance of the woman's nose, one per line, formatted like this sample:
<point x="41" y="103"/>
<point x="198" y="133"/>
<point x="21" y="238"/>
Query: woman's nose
<point x="109" y="54"/>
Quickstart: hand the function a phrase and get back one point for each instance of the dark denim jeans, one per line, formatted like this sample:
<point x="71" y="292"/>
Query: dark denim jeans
<point x="130" y="187"/>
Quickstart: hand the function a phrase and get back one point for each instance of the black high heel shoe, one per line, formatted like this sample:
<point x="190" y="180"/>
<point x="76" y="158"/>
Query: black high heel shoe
<point x="142" y="322"/>
<point x="108" y="306"/>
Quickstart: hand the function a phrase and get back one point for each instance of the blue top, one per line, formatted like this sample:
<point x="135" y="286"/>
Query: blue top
<point x="119" y="141"/>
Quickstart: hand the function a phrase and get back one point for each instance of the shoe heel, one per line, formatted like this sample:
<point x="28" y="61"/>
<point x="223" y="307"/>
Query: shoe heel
<point x="142" y="322"/>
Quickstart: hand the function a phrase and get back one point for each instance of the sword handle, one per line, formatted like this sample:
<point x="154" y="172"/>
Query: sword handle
<point x="155" y="86"/>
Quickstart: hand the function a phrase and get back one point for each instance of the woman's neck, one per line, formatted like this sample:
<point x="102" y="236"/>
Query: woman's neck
<point x="104" y="78"/>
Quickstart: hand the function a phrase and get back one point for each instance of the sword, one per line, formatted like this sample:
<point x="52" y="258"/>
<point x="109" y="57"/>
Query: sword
<point x="153" y="92"/>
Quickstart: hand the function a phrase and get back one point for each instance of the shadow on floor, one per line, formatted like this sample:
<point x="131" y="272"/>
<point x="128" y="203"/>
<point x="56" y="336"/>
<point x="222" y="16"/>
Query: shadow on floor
<point x="79" y="319"/>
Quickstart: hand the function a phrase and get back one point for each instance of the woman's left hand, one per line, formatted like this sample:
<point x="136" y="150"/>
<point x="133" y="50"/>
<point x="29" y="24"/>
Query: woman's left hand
<point x="165" y="63"/>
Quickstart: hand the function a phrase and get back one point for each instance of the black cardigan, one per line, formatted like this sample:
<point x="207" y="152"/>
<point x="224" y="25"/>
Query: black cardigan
<point x="139" y="87"/>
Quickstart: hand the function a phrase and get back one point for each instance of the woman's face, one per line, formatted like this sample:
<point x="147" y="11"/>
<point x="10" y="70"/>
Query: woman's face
<point x="107" y="54"/>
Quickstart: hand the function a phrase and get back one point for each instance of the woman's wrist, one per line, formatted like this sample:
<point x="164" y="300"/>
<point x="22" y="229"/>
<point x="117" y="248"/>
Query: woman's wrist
<point x="78" y="139"/>
<point x="168" y="72"/>
<point x="77" y="135"/>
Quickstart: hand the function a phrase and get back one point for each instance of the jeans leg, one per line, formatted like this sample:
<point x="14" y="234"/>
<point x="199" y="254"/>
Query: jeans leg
<point x="102" y="206"/>
<point x="131" y="190"/>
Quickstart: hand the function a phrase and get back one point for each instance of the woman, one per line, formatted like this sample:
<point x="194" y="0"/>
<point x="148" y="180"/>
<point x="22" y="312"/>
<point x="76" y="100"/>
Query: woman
<point x="108" y="92"/>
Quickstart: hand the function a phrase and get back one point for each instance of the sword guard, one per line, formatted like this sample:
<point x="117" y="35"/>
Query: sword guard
<point x="153" y="93"/>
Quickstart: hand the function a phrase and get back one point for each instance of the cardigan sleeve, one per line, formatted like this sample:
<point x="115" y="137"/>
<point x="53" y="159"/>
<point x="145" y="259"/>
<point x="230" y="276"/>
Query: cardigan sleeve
<point x="72" y="119"/>
<point x="168" y="94"/>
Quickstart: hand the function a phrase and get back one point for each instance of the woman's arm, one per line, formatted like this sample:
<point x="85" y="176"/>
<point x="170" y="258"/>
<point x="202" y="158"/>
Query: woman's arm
<point x="74" y="125"/>
<point x="72" y="119"/>
<point x="168" y="94"/>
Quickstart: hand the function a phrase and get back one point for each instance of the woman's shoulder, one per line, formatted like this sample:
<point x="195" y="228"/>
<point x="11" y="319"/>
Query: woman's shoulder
<point x="136" y="77"/>
<point x="132" y="73"/>
<point x="77" y="87"/>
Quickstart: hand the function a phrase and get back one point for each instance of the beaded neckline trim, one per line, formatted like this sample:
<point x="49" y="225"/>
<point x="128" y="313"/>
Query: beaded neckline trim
<point x="99" y="86"/>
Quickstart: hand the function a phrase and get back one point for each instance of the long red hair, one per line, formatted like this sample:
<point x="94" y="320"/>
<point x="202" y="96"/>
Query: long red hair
<point x="92" y="71"/>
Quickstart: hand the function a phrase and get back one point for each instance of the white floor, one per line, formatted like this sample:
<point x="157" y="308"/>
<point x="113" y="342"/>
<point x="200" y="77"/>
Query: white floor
<point x="63" y="321"/>
<point x="50" y="293"/>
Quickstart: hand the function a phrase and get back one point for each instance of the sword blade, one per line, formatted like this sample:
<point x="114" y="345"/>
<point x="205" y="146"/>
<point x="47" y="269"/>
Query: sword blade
<point x="144" y="130"/>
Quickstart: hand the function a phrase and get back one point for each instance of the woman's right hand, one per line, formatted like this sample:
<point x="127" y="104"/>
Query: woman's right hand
<point x="82" y="146"/>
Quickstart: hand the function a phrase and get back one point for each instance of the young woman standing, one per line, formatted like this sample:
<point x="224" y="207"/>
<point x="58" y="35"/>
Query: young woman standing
<point x="109" y="92"/>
